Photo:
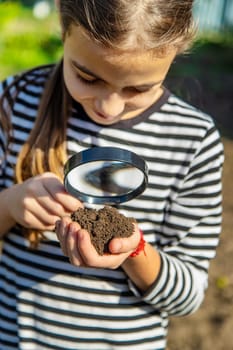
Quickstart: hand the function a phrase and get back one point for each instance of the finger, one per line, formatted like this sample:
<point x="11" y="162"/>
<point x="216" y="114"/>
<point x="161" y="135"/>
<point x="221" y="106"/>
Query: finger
<point x="90" y="256"/>
<point x="62" y="233"/>
<point x="125" y="245"/>
<point x="57" y="191"/>
<point x="51" y="206"/>
<point x="86" y="249"/>
<point x="72" y="245"/>
<point x="41" y="214"/>
<point x="31" y="221"/>
<point x="39" y="201"/>
<point x="55" y="204"/>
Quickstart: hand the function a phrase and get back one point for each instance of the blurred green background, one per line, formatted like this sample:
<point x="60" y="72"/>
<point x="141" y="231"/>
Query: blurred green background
<point x="26" y="40"/>
<point x="30" y="37"/>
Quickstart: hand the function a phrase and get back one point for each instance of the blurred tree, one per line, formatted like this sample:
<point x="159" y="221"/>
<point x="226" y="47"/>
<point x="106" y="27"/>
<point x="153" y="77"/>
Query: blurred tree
<point x="19" y="29"/>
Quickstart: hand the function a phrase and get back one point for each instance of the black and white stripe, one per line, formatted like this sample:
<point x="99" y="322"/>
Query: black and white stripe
<point x="46" y="303"/>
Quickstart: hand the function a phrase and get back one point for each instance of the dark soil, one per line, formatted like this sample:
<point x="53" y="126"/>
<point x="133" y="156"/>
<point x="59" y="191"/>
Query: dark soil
<point x="103" y="225"/>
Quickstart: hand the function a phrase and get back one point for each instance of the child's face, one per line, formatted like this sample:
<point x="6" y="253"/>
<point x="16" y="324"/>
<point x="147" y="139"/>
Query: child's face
<point x="111" y="86"/>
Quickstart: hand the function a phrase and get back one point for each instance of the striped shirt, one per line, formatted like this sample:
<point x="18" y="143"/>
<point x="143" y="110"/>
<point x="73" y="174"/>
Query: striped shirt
<point x="47" y="303"/>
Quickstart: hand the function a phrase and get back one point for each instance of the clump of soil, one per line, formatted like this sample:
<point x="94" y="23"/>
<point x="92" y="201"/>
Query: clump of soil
<point x="103" y="225"/>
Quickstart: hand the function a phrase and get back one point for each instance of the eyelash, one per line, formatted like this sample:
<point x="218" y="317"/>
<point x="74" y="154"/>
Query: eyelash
<point x="85" y="81"/>
<point x="92" y="82"/>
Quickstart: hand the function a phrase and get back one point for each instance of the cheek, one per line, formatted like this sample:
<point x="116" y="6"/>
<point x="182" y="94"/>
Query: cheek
<point x="75" y="87"/>
<point x="142" y="101"/>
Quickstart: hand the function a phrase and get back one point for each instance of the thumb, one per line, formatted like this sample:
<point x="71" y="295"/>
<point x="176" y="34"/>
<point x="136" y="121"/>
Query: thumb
<point x="120" y="245"/>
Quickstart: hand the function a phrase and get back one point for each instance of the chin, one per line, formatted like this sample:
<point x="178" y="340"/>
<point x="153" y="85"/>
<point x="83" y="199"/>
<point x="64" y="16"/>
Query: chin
<point x="103" y="121"/>
<point x="100" y="120"/>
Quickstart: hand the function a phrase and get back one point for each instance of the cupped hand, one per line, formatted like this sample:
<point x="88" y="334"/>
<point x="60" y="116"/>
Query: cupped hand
<point x="40" y="201"/>
<point x="76" y="245"/>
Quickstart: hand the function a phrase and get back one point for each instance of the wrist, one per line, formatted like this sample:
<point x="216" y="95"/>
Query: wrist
<point x="140" y="248"/>
<point x="143" y="269"/>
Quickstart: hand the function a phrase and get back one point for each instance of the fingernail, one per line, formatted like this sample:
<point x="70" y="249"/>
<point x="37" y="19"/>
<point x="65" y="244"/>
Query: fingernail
<point x="57" y="224"/>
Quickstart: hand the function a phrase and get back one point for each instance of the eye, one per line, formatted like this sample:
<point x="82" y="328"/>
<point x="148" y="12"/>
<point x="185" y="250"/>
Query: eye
<point x="86" y="81"/>
<point x="135" y="90"/>
<point x="141" y="91"/>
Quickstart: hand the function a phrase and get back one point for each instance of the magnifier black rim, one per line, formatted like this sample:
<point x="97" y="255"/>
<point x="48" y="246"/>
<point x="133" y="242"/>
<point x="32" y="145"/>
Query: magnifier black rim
<point x="105" y="154"/>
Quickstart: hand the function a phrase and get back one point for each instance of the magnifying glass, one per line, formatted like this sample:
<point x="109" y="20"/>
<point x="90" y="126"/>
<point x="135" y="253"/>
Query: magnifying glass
<point x="105" y="175"/>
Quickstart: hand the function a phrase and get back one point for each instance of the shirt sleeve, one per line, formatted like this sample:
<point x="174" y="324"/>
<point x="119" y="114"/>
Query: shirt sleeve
<point x="3" y="136"/>
<point x="193" y="219"/>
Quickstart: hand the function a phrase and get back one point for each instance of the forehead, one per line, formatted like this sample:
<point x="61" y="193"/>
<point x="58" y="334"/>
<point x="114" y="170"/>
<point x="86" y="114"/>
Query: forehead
<point x="119" y="63"/>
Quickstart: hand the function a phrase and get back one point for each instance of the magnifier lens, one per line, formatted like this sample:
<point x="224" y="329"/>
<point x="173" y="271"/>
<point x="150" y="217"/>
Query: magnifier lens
<point x="105" y="175"/>
<point x="105" y="178"/>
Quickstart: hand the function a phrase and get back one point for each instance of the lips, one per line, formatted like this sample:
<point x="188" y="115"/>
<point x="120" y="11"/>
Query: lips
<point x="101" y="115"/>
<point x="104" y="116"/>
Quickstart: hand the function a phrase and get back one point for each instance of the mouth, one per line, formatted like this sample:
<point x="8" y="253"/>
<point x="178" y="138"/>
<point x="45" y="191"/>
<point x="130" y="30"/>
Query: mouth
<point x="106" y="117"/>
<point x="102" y="115"/>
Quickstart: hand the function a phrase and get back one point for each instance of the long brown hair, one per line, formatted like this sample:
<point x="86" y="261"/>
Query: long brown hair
<point x="156" y="25"/>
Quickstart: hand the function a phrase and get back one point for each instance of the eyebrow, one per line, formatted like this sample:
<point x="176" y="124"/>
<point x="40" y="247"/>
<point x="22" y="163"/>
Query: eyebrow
<point x="85" y="70"/>
<point x="88" y="72"/>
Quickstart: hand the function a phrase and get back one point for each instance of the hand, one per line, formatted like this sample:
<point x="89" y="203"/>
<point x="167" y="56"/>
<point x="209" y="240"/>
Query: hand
<point x="76" y="245"/>
<point x="40" y="201"/>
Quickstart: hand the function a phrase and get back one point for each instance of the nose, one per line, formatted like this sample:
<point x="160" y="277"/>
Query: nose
<point x="110" y="105"/>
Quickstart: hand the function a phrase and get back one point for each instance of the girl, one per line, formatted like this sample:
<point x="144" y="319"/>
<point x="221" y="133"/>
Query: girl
<point x="56" y="292"/>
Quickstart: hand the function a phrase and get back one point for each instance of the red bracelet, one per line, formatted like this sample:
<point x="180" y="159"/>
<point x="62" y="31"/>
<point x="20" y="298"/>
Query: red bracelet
<point x="140" y="247"/>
